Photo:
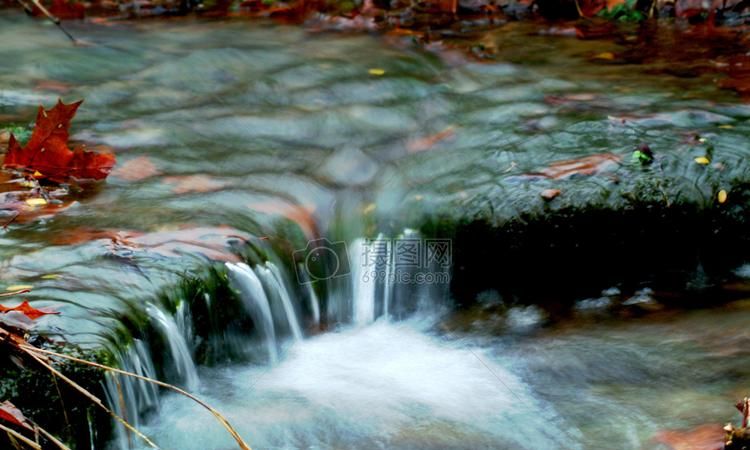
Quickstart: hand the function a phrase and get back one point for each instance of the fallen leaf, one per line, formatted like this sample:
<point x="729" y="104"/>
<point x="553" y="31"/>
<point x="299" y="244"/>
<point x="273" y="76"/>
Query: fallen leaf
<point x="67" y="10"/>
<point x="194" y="183"/>
<point x="376" y="72"/>
<point x="52" y="86"/>
<point x="427" y="142"/>
<point x="209" y="242"/>
<point x="702" y="160"/>
<point x="704" y="437"/>
<point x="18" y="287"/>
<point x="722" y="196"/>
<point x="136" y="169"/>
<point x="589" y="8"/>
<point x="47" y="150"/>
<point x="36" y="201"/>
<point x="9" y="413"/>
<point x="27" y="310"/>
<point x="303" y="215"/>
<point x="549" y="194"/>
<point x="607" y="56"/>
<point x="587" y="165"/>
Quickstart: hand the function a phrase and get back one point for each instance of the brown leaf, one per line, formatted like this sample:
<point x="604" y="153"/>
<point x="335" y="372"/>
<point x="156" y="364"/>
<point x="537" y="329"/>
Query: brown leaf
<point x="587" y="165"/>
<point x="704" y="437"/>
<point x="549" y="194"/>
<point x="136" y="169"/>
<point x="427" y="142"/>
<point x="185" y="184"/>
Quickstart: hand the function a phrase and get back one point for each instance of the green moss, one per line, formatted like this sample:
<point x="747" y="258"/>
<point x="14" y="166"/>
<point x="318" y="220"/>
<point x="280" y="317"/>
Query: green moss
<point x="52" y="403"/>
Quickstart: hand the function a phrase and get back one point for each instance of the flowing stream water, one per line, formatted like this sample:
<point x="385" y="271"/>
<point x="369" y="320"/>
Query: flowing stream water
<point x="229" y="131"/>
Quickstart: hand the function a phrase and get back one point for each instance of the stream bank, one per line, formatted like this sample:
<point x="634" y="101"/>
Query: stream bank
<point x="238" y="144"/>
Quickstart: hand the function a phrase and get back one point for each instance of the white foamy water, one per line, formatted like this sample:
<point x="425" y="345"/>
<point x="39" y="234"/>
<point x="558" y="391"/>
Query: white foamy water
<point x="382" y="386"/>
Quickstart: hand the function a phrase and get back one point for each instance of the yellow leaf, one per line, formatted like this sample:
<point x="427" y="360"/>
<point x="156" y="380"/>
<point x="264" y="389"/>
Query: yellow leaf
<point x="37" y="174"/>
<point x="18" y="287"/>
<point x="51" y="276"/>
<point x="726" y="126"/>
<point x="609" y="56"/>
<point x="722" y="196"/>
<point x="369" y="208"/>
<point x="702" y="160"/>
<point x="376" y="72"/>
<point x="36" y="201"/>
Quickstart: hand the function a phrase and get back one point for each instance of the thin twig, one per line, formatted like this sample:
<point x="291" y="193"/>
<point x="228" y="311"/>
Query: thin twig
<point x="49" y="15"/>
<point x="243" y="445"/>
<point x="21" y="437"/>
<point x="123" y="409"/>
<point x="49" y="436"/>
<point x="9" y="294"/>
<point x="5" y="225"/>
<point x="62" y="402"/>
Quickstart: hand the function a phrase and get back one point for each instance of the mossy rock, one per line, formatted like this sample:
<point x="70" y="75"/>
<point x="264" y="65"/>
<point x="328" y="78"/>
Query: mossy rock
<point x="52" y="403"/>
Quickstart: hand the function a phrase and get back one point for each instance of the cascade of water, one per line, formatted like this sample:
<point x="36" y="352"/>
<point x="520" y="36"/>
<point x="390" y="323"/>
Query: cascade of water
<point x="256" y="303"/>
<point x="314" y="303"/>
<point x="369" y="292"/>
<point x="286" y="300"/>
<point x="181" y="356"/>
<point x="363" y="283"/>
<point x="387" y="279"/>
<point x="130" y="397"/>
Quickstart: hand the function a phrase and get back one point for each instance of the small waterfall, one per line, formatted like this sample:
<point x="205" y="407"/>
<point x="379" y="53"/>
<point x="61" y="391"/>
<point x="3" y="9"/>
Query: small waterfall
<point x="363" y="283"/>
<point x="286" y="300"/>
<point x="181" y="356"/>
<point x="391" y="278"/>
<point x="266" y="304"/>
<point x="256" y="304"/>
<point x="129" y="397"/>
<point x="312" y="298"/>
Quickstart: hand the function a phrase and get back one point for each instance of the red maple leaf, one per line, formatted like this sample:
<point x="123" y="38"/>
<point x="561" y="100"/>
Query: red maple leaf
<point x="63" y="9"/>
<point x="27" y="310"/>
<point x="9" y="413"/>
<point x="47" y="151"/>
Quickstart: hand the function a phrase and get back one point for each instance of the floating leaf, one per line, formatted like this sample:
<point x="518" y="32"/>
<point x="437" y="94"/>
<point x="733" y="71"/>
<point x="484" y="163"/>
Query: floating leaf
<point x="376" y="72"/>
<point x="185" y="184"/>
<point x="18" y="287"/>
<point x="426" y="143"/>
<point x="702" y="160"/>
<point x="27" y="310"/>
<point x="587" y="165"/>
<point x="36" y="201"/>
<point x="722" y="196"/>
<point x="47" y="152"/>
<point x="136" y="169"/>
<point x="550" y="194"/>
<point x="643" y="155"/>
<point x="704" y="437"/>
